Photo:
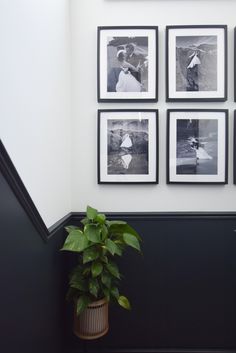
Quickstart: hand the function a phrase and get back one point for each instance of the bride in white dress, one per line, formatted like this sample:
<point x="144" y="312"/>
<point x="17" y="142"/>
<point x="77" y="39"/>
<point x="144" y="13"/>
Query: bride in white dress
<point x="127" y="82"/>
<point x="195" y="60"/>
<point x="201" y="153"/>
<point x="125" y="145"/>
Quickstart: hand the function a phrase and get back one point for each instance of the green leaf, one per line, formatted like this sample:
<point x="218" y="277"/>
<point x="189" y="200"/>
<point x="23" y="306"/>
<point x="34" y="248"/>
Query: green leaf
<point x="100" y="218"/>
<point x="77" y="280"/>
<point x="96" y="269"/>
<point x="91" y="213"/>
<point x="86" y="271"/>
<point x="104" y="232"/>
<point x="131" y="240"/>
<point x="106" y="279"/>
<point x="92" y="232"/>
<point x="106" y="293"/>
<point x="79" y="284"/>
<point x="84" y="221"/>
<point x="124" y="228"/>
<point x="113" y="269"/>
<point x="120" y="245"/>
<point x="115" y="292"/>
<point x="104" y="259"/>
<point x="112" y="247"/>
<point x="76" y="241"/>
<point x="93" y="287"/>
<point x="82" y="304"/>
<point x="130" y="230"/>
<point x="118" y="249"/>
<point x="70" y="228"/>
<point x="90" y="254"/>
<point x="124" y="302"/>
<point x="112" y="223"/>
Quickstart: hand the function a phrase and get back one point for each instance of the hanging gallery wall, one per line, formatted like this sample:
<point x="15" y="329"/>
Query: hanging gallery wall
<point x="196" y="71"/>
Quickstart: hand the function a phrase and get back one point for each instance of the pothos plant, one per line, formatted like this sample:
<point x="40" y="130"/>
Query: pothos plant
<point x="98" y="242"/>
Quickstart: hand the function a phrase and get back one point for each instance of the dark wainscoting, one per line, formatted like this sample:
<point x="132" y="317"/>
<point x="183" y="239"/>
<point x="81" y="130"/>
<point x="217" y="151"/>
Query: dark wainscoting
<point x="183" y="288"/>
<point x="32" y="282"/>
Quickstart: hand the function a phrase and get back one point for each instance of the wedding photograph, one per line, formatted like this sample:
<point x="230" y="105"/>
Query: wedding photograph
<point x="127" y="67"/>
<point x="127" y="146"/>
<point x="127" y="64"/>
<point x="196" y="67"/>
<point x="197" y="146"/>
<point x="196" y="63"/>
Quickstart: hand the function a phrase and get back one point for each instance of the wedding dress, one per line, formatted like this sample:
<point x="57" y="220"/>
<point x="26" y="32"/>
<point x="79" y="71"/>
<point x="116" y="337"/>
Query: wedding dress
<point x="195" y="61"/>
<point x="127" y="143"/>
<point x="127" y="83"/>
<point x="202" y="154"/>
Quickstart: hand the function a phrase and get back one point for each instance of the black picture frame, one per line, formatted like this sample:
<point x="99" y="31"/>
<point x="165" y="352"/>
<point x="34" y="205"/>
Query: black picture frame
<point x="142" y="128"/>
<point x="187" y="85"/>
<point x="191" y="166"/>
<point x="107" y="79"/>
<point x="234" y="152"/>
<point x="235" y="64"/>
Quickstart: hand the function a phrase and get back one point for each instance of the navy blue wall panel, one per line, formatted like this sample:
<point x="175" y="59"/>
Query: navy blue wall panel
<point x="183" y="288"/>
<point x="32" y="280"/>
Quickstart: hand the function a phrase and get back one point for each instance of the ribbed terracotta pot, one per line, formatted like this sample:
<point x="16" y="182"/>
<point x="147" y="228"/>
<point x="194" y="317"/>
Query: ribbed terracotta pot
<point x="93" y="322"/>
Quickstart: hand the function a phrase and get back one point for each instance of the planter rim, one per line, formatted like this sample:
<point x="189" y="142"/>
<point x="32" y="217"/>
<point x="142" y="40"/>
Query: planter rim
<point x="98" y="302"/>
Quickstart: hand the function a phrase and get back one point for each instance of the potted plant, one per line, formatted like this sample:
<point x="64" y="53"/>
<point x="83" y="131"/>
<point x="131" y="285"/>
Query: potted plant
<point x="94" y="280"/>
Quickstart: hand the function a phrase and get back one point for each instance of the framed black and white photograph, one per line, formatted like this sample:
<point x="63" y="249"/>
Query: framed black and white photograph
<point x="127" y="146"/>
<point x="234" y="152"/>
<point x="196" y="63"/>
<point x="235" y="64"/>
<point x="127" y="64"/>
<point x="197" y="146"/>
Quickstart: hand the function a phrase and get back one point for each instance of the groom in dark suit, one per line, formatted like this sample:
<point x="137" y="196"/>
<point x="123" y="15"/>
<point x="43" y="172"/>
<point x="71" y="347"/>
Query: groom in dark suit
<point x="134" y="59"/>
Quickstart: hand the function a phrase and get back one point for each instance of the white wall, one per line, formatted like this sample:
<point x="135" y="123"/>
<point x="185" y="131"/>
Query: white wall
<point x="53" y="148"/>
<point x="86" y="16"/>
<point x="35" y="99"/>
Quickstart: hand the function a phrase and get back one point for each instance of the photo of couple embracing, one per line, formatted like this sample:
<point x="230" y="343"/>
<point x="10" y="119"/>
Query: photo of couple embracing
<point x="127" y="64"/>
